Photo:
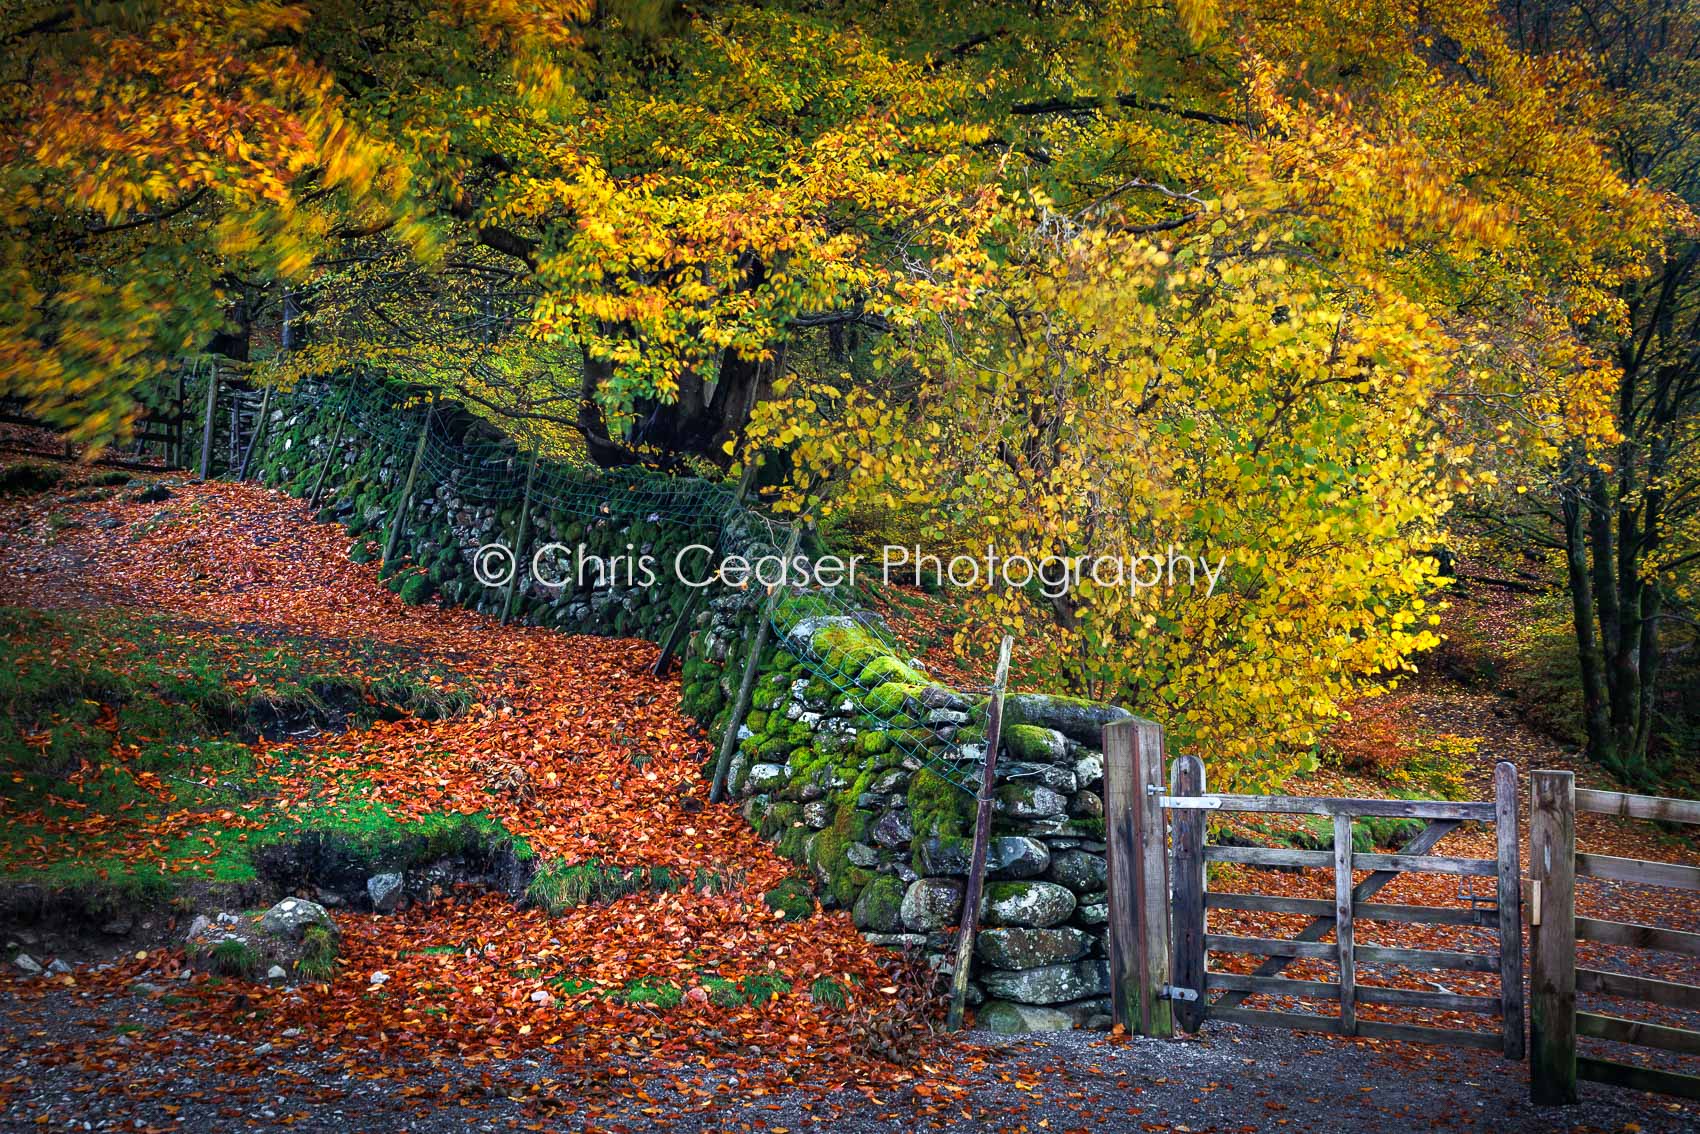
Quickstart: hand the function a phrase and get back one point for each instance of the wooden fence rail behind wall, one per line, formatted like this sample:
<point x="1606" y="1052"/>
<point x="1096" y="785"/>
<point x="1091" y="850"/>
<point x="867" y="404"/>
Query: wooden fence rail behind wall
<point x="1555" y="1066"/>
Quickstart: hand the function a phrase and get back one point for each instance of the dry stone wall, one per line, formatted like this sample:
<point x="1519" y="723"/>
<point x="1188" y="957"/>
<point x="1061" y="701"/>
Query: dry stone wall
<point x="852" y="759"/>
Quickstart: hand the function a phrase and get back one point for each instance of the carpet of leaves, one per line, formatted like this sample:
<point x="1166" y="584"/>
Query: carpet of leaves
<point x="612" y="773"/>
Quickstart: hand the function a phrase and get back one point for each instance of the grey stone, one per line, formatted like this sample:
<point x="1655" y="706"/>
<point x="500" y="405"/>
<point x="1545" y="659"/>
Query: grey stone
<point x="1034" y="743"/>
<point x="763" y="777"/>
<point x="276" y="973"/>
<point x="947" y="717"/>
<point x="932" y="903"/>
<point x="27" y="963"/>
<point x="1081" y="872"/>
<point x="894" y="828"/>
<point x="1032" y="948"/>
<point x="1075" y="718"/>
<point x="1005" y="1018"/>
<point x="1095" y="914"/>
<point x="817" y="814"/>
<point x="896" y="940"/>
<point x="879" y="907"/>
<point x="861" y="854"/>
<point x="1053" y="984"/>
<point x="1036" y="904"/>
<point x="385" y="890"/>
<point x="1089" y="770"/>
<point x="290" y="918"/>
<point x="1051" y="775"/>
<point x="1008" y="856"/>
<point x="58" y="967"/>
<point x="1030" y="801"/>
<point x="1086" y="805"/>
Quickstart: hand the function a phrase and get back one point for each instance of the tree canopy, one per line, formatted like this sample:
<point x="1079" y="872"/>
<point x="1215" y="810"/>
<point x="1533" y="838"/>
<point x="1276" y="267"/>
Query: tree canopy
<point x="1269" y="279"/>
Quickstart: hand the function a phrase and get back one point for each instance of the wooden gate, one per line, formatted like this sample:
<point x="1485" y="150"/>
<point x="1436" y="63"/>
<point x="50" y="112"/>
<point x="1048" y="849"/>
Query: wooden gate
<point x="1160" y="901"/>
<point x="1554" y="864"/>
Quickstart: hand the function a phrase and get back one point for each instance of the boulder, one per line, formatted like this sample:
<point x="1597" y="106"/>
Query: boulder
<point x="289" y="919"/>
<point x="894" y="828"/>
<point x="932" y="903"/>
<point x="27" y="964"/>
<point x="1036" y="905"/>
<point x="1005" y="1018"/>
<point x="1016" y="948"/>
<point x="1052" y="984"/>
<point x="385" y="890"/>
<point x="1074" y="717"/>
<point x="879" y="907"/>
<point x="1081" y="872"/>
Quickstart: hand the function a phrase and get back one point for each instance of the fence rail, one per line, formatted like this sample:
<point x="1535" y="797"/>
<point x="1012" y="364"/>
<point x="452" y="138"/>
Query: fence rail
<point x="1160" y="901"/>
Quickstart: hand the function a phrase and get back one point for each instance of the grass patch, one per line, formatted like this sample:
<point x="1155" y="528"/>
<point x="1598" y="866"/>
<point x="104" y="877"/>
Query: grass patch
<point x="318" y="955"/>
<point x="559" y="886"/>
<point x="233" y="958"/>
<point x="129" y="716"/>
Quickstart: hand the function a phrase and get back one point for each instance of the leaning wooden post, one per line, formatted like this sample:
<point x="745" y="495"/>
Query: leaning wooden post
<point x="330" y="458"/>
<point x="1510" y="908"/>
<point x="1138" y="876"/>
<point x="1552" y="981"/>
<point x="1187" y="925"/>
<point x="519" y="543"/>
<point x="741" y="707"/>
<point x="207" y="425"/>
<point x="681" y="625"/>
<point x="982" y="838"/>
<point x="406" y="499"/>
<point x="259" y="432"/>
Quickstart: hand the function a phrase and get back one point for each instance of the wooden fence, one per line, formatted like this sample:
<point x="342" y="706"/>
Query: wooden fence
<point x="1159" y="902"/>
<point x="1555" y="979"/>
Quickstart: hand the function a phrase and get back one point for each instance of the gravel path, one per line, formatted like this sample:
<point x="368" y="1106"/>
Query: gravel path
<point x="98" y="1064"/>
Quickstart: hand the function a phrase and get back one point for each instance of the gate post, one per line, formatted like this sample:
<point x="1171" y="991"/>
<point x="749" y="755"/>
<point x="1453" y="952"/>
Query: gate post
<point x="1189" y="960"/>
<point x="1138" y="876"/>
<point x="1552" y="981"/>
<point x="1510" y="908"/>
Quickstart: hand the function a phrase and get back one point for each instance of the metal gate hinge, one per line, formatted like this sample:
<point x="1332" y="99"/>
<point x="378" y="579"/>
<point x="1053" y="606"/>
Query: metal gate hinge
<point x="1170" y="992"/>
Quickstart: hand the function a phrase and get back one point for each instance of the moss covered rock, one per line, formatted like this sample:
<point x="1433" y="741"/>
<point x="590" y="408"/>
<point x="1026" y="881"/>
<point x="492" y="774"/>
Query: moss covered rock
<point x="879" y="908"/>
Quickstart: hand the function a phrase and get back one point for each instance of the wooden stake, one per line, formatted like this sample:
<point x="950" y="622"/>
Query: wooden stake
<point x="207" y="424"/>
<point x="519" y="544"/>
<point x="1343" y="929"/>
<point x="330" y="458"/>
<point x="741" y="707"/>
<point x="406" y="500"/>
<point x="1552" y="980"/>
<point x="982" y="838"/>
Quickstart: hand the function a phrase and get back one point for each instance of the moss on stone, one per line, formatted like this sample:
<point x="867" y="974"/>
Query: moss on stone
<point x="887" y="699"/>
<point x="792" y="899"/>
<point x="886" y="668"/>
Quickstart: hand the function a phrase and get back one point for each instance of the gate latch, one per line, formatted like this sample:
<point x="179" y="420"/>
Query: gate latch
<point x="1170" y="992"/>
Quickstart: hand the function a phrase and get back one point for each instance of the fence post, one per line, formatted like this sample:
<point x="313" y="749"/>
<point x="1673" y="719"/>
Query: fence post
<point x="1510" y="908"/>
<point x="1138" y="876"/>
<point x="207" y="423"/>
<point x="406" y="500"/>
<point x="1190" y="962"/>
<point x="330" y="457"/>
<point x="1344" y="931"/>
<point x="741" y="707"/>
<point x="982" y="839"/>
<point x="1552" y="981"/>
<point x="519" y="543"/>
